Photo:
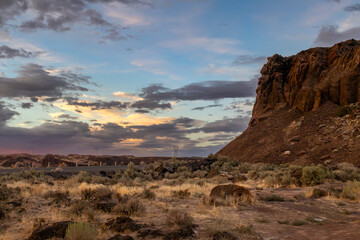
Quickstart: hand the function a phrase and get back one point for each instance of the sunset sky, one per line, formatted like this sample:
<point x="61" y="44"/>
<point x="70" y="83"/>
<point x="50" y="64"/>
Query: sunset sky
<point x="141" y="76"/>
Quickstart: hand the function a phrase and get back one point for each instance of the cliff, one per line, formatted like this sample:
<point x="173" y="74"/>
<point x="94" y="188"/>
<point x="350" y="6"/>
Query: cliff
<point x="297" y="114"/>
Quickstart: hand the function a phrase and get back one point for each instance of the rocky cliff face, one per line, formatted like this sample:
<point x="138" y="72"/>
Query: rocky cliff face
<point x="296" y="113"/>
<point x="308" y="79"/>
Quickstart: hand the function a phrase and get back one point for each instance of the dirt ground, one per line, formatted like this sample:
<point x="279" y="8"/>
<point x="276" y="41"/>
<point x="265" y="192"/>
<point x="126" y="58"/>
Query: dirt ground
<point x="293" y="215"/>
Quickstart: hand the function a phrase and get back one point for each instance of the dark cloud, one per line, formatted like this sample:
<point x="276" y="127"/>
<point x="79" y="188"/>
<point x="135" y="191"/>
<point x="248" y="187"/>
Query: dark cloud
<point x="208" y="106"/>
<point x="101" y="104"/>
<point x="142" y="111"/>
<point x="151" y="105"/>
<point x="329" y="35"/>
<point x="209" y="90"/>
<point x="353" y="8"/>
<point x="60" y="16"/>
<point x="249" y="59"/>
<point x="5" y="114"/>
<point x="34" y="81"/>
<point x="67" y="116"/>
<point x="71" y="136"/>
<point x="7" y="52"/>
<point x="27" y="105"/>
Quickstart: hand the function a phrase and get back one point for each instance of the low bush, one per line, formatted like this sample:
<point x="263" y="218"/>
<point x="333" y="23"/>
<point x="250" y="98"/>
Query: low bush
<point x="182" y="194"/>
<point x="347" y="172"/>
<point x="130" y="207"/>
<point x="8" y="193"/>
<point x="80" y="231"/>
<point x="298" y="222"/>
<point x="57" y="195"/>
<point x="245" y="229"/>
<point x="179" y="218"/>
<point x="97" y="194"/>
<point x="313" y="175"/>
<point x="77" y="208"/>
<point x="148" y="194"/>
<point x="351" y="191"/>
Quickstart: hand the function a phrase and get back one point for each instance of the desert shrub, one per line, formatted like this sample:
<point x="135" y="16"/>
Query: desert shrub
<point x="346" y="172"/>
<point x="130" y="207"/>
<point x="176" y="163"/>
<point x="344" y="110"/>
<point x="199" y="173"/>
<point x="182" y="194"/>
<point x="313" y="175"/>
<point x="298" y="222"/>
<point x="273" y="198"/>
<point x="30" y="176"/>
<point x="7" y="193"/>
<point x="243" y="167"/>
<point x="261" y="220"/>
<point x="229" y="166"/>
<point x="97" y="194"/>
<point x="148" y="194"/>
<point x="184" y="172"/>
<point x="77" y="208"/>
<point x="263" y="167"/>
<point x="56" y="195"/>
<point x="219" y="162"/>
<point x="179" y="218"/>
<point x="80" y="231"/>
<point x="84" y="177"/>
<point x="245" y="229"/>
<point x="132" y="172"/>
<point x="351" y="191"/>
<point x="271" y="181"/>
<point x="252" y="174"/>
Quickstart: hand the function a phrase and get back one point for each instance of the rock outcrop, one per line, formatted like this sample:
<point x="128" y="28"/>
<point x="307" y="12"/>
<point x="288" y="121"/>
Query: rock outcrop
<point x="308" y="79"/>
<point x="307" y="109"/>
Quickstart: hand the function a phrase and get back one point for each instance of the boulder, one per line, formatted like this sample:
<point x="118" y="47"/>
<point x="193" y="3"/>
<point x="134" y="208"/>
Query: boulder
<point x="121" y="224"/>
<point x="119" y="237"/>
<point x="55" y="230"/>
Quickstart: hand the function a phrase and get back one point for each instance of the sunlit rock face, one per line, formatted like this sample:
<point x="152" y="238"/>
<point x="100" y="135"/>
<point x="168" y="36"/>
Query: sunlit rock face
<point x="310" y="78"/>
<point x="307" y="109"/>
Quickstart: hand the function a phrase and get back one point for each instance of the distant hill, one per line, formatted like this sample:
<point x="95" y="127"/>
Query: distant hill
<point x="307" y="109"/>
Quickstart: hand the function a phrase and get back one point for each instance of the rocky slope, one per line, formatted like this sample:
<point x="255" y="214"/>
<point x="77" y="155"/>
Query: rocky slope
<point x="306" y="109"/>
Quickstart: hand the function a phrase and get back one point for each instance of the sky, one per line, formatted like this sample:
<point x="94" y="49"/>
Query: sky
<point x="139" y="77"/>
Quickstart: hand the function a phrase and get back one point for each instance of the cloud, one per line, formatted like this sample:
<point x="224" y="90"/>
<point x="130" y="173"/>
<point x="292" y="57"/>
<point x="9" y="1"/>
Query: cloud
<point x="151" y="105"/>
<point x="214" y="45"/>
<point x="60" y="16"/>
<point x="27" y="105"/>
<point x="208" y="90"/>
<point x="7" y="52"/>
<point x="228" y="125"/>
<point x="208" y="106"/>
<point x="329" y="35"/>
<point x="127" y="15"/>
<point x="34" y="81"/>
<point x="5" y="114"/>
<point x="66" y="116"/>
<point x="248" y="59"/>
<point x="352" y="8"/>
<point x="100" y="104"/>
<point x="69" y="135"/>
